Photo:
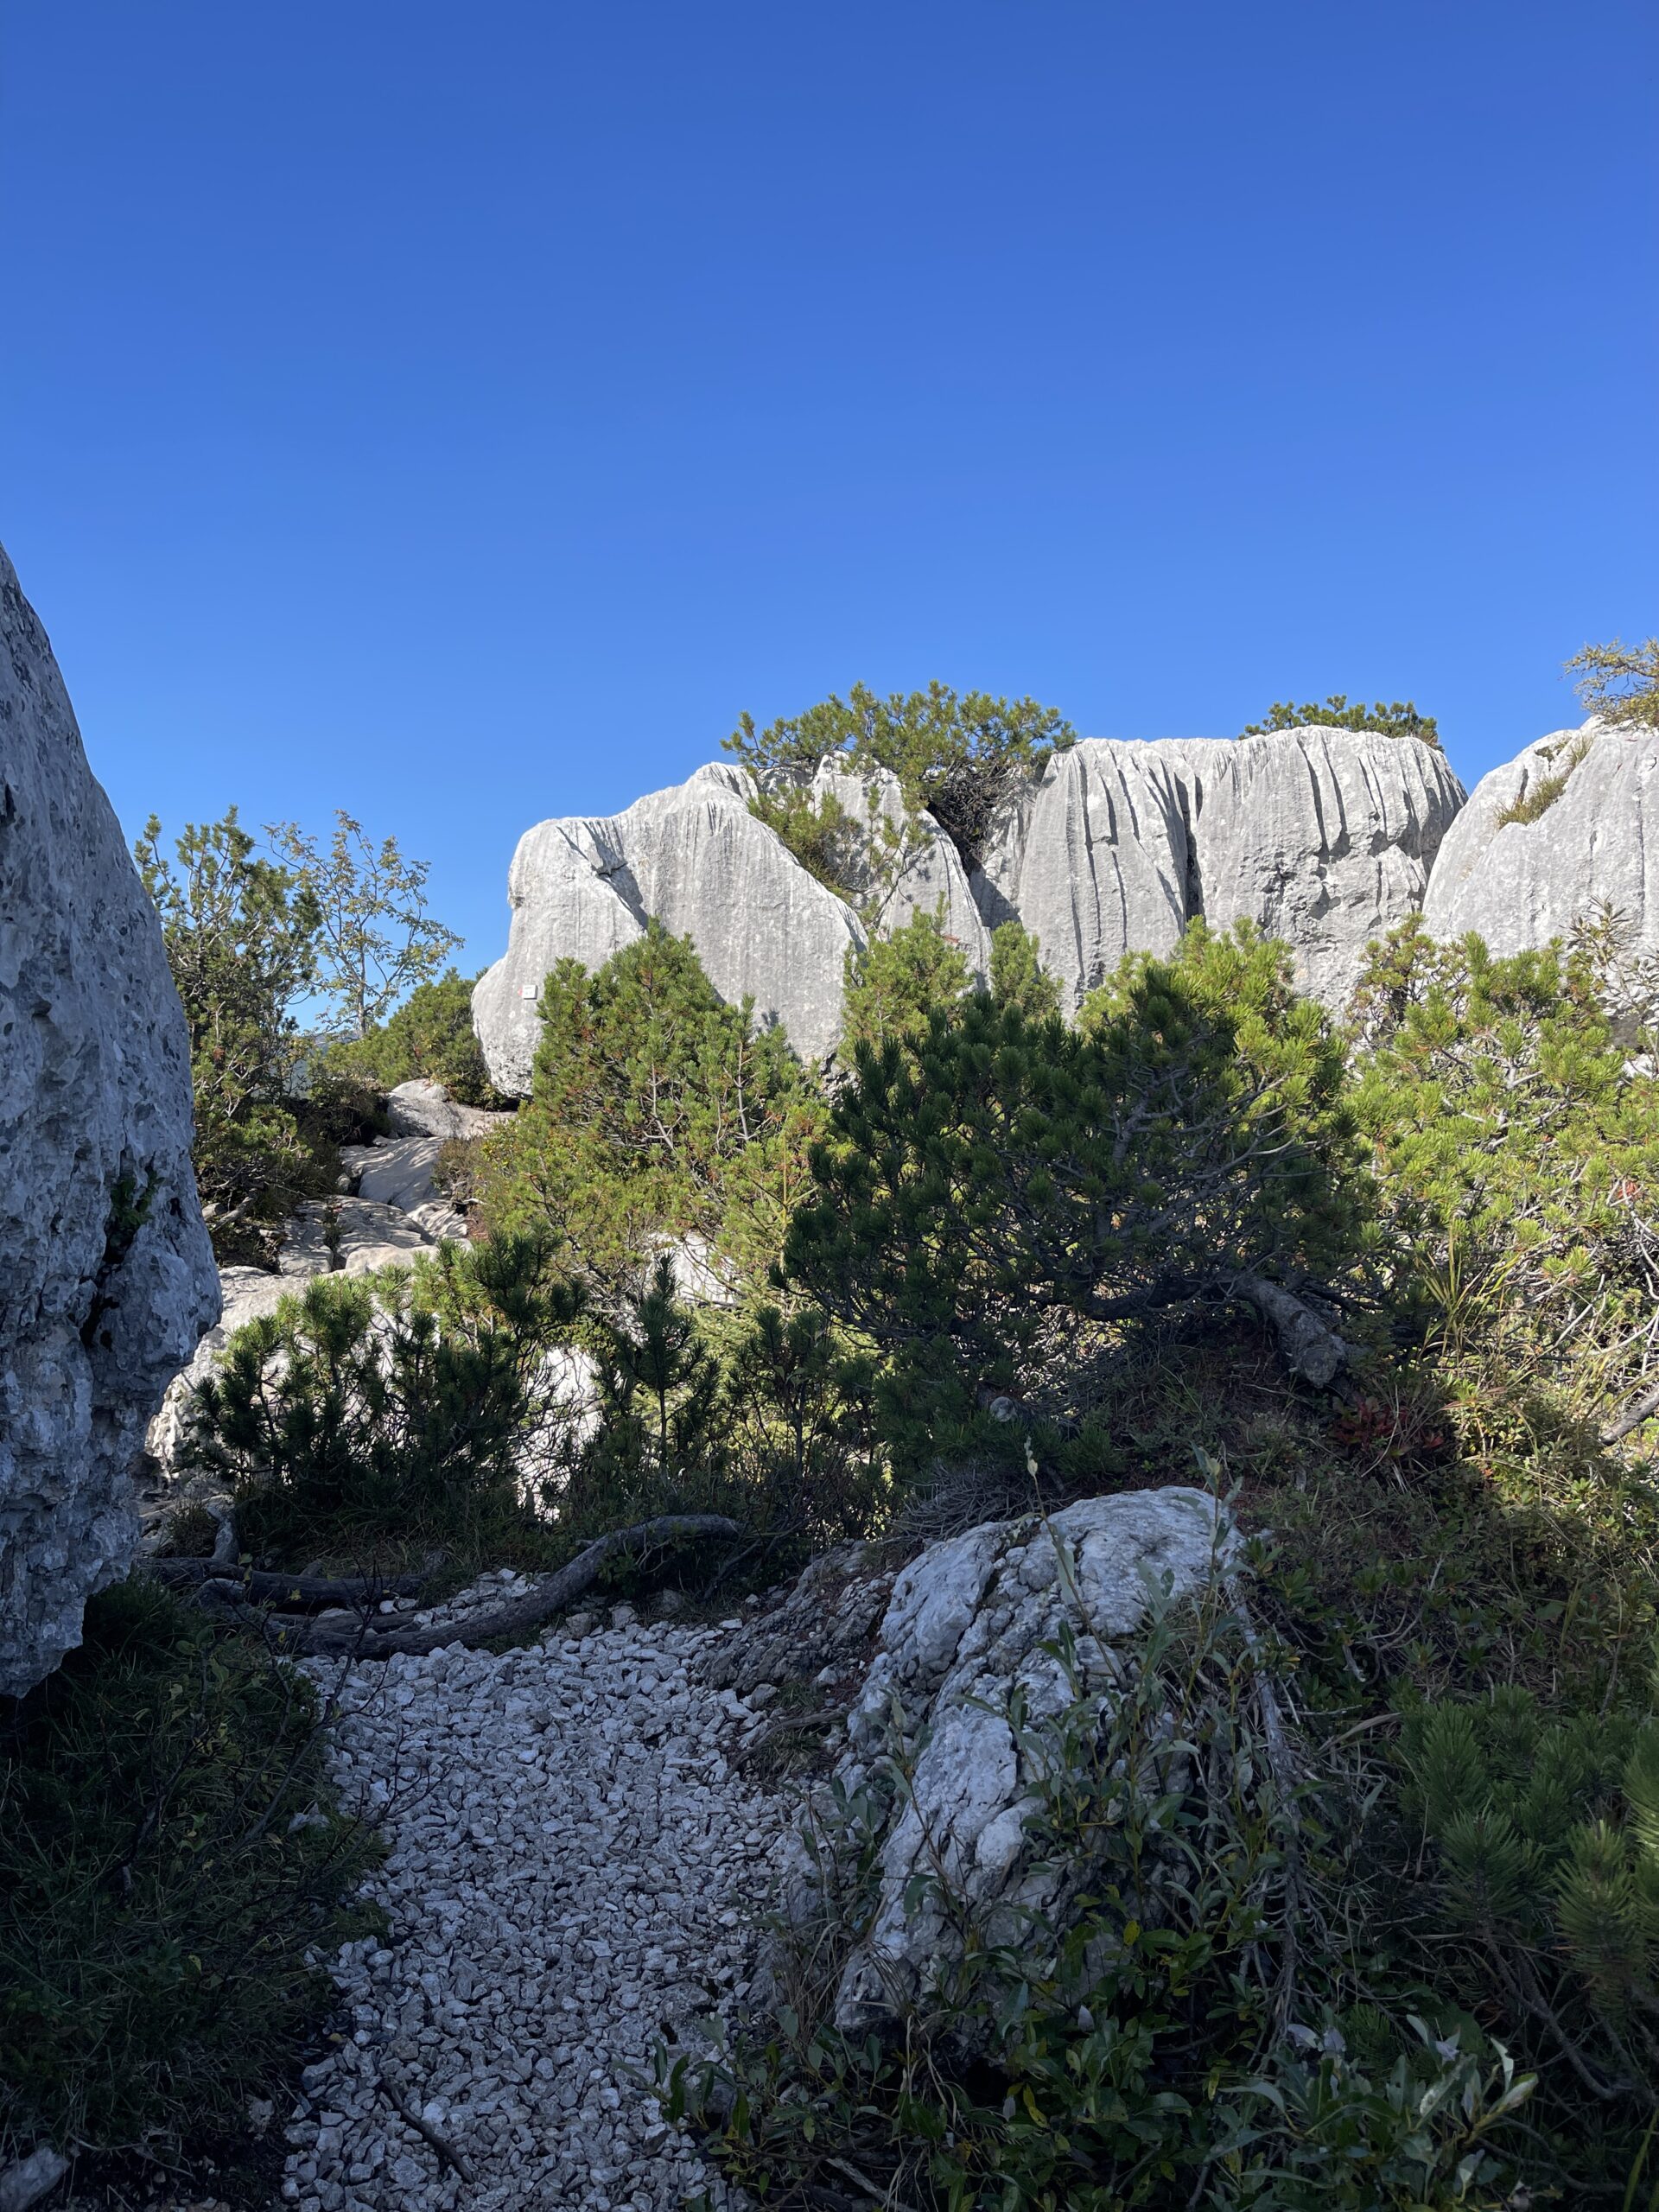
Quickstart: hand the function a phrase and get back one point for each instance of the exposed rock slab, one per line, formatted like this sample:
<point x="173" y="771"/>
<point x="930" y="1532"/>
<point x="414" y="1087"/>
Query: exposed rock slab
<point x="969" y="1625"/>
<point x="1519" y="884"/>
<point x="106" y="1277"/>
<point x="426" y="1110"/>
<point x="1326" y="837"/>
<point x="1094" y="860"/>
<point x="695" y="858"/>
<point x="913" y="867"/>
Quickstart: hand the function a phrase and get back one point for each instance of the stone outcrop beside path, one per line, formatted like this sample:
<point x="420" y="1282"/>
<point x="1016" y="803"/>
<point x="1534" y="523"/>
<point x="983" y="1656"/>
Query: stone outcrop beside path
<point x="106" y="1276"/>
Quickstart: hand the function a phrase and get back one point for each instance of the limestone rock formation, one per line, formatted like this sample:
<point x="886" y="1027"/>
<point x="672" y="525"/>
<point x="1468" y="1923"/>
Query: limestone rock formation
<point x="695" y="858"/>
<point x="913" y="866"/>
<point x="1519" y="884"/>
<point x="1322" y="837"/>
<point x="969" y="1624"/>
<point x="1095" y="859"/>
<point x="426" y="1110"/>
<point x="106" y="1275"/>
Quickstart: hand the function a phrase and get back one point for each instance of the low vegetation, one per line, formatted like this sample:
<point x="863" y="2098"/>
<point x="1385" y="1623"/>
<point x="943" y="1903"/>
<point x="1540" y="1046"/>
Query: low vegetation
<point x="1535" y="803"/>
<point x="170" y="1862"/>
<point x="1400" y="718"/>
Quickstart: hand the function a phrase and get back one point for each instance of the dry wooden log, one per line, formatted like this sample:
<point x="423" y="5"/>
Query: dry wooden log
<point x="364" y="1639"/>
<point x="1631" y="1419"/>
<point x="303" y="1591"/>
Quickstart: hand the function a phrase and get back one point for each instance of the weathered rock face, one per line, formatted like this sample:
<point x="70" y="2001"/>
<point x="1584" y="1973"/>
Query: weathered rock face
<point x="695" y="858"/>
<point x="1322" y="837"/>
<point x="1094" y="860"/>
<point x="106" y="1275"/>
<point x="966" y="1629"/>
<point x="915" y="867"/>
<point x="1518" y="884"/>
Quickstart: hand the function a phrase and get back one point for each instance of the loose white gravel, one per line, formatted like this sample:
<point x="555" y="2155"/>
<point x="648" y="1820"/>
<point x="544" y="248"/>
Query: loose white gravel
<point x="573" y="1863"/>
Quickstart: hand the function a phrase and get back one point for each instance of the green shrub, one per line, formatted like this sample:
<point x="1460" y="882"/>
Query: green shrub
<point x="430" y="1038"/>
<point x="895" y="983"/>
<point x="409" y="1406"/>
<point x="1544" y="1831"/>
<point x="656" y="1113"/>
<point x="1009" y="1186"/>
<point x="957" y="756"/>
<point x="1399" y="719"/>
<point x="169" y="1854"/>
<point x="1199" y="2025"/>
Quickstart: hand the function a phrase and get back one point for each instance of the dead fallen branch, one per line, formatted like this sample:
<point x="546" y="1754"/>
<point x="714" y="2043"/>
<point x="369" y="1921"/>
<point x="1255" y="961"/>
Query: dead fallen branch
<point x="302" y="1591"/>
<point x="788" y="1724"/>
<point x="362" y="1639"/>
<point x="1630" y="1421"/>
<point x="404" y="2106"/>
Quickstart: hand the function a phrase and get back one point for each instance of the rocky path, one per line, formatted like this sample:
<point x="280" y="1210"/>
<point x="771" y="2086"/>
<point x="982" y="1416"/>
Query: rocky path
<point x="573" y="1861"/>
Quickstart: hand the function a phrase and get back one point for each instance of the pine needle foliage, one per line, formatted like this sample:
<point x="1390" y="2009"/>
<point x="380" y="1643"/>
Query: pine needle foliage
<point x="369" y="1410"/>
<point x="1545" y="1831"/>
<point x="1003" y="1170"/>
<point x="957" y="756"/>
<point x="1398" y="718"/>
<point x="656" y="1113"/>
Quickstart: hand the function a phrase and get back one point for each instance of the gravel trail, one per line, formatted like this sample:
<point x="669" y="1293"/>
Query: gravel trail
<point x="573" y="1862"/>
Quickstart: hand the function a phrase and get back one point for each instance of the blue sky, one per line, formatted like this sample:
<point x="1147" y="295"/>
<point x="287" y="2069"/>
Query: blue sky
<point x="459" y="414"/>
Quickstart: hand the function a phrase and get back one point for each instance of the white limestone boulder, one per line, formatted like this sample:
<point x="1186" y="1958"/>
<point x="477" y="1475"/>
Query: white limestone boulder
<point x="969" y="1626"/>
<point x="910" y="866"/>
<point x="1094" y="859"/>
<point x="106" y="1275"/>
<point x="426" y="1110"/>
<point x="1324" y="837"/>
<point x="1519" y="884"/>
<point x="695" y="858"/>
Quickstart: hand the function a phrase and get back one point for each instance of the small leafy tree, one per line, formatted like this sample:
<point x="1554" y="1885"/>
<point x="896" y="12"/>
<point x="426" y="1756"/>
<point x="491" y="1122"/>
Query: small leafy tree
<point x="894" y="983"/>
<point x="1620" y="683"/>
<point x="429" y="1039"/>
<point x="375" y="938"/>
<point x="656" y="1112"/>
<point x="957" y="755"/>
<point x="241" y="937"/>
<point x="1398" y="719"/>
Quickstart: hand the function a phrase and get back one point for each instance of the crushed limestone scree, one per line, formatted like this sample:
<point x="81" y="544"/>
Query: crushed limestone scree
<point x="572" y="1863"/>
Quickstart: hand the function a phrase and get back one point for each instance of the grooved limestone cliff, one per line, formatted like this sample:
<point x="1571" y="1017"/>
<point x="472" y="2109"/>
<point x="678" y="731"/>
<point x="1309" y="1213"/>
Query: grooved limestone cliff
<point x="1322" y="837"/>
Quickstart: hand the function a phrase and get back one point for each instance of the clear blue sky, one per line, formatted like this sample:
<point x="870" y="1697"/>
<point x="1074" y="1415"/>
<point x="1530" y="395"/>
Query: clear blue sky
<point x="460" y="413"/>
